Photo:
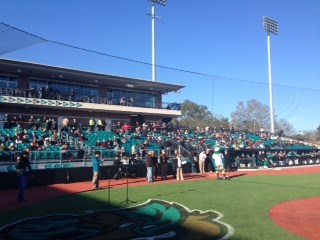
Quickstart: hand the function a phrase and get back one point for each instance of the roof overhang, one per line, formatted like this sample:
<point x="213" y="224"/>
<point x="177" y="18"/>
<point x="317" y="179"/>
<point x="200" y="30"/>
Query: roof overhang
<point x="80" y="76"/>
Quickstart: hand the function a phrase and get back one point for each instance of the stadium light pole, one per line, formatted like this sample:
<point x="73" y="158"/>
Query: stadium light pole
<point x="153" y="17"/>
<point x="270" y="26"/>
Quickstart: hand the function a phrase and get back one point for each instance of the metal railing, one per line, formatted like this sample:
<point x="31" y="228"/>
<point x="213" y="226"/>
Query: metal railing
<point x="88" y="99"/>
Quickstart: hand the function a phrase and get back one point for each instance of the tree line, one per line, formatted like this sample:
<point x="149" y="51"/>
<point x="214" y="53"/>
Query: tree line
<point x="251" y="116"/>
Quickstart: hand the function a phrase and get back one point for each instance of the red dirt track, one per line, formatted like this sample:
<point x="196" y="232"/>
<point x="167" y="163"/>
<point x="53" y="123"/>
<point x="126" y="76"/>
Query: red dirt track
<point x="289" y="215"/>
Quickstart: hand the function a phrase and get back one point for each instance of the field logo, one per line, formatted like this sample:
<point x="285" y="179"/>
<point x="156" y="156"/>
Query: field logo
<point x="154" y="219"/>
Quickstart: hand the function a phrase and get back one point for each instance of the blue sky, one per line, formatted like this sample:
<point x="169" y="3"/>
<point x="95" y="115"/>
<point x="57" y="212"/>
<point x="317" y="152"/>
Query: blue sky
<point x="222" y="39"/>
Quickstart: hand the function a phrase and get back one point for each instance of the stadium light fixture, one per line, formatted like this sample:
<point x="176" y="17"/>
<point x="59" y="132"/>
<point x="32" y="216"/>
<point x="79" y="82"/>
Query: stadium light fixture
<point x="161" y="2"/>
<point x="153" y="16"/>
<point x="270" y="26"/>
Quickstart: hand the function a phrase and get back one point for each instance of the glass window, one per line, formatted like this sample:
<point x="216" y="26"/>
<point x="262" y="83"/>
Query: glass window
<point x="136" y="99"/>
<point x="8" y="82"/>
<point x="65" y="91"/>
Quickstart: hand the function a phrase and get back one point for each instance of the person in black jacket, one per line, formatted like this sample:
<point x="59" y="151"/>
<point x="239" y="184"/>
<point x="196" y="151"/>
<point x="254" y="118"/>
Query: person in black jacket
<point x="174" y="165"/>
<point x="23" y="169"/>
<point x="155" y="165"/>
<point x="164" y="164"/>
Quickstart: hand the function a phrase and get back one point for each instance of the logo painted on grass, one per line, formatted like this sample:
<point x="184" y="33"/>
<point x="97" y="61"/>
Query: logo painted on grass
<point x="154" y="219"/>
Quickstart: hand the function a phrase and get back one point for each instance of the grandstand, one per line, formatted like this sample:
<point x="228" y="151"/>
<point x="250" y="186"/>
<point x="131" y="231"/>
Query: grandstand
<point x="33" y="94"/>
<point x="60" y="117"/>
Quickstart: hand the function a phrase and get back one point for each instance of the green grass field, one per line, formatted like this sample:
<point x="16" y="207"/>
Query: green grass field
<point x="244" y="201"/>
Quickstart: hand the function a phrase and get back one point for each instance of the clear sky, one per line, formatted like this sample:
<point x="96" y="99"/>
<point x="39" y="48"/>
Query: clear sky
<point x="222" y="39"/>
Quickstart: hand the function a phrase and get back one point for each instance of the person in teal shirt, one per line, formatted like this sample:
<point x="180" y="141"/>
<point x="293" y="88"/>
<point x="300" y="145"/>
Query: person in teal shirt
<point x="96" y="162"/>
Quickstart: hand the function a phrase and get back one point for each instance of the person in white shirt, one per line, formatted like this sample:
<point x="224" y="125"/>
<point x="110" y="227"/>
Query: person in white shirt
<point x="202" y="159"/>
<point x="179" y="167"/>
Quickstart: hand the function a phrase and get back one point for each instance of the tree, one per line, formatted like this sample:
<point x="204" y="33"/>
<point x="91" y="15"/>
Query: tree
<point x="255" y="116"/>
<point x="194" y="115"/>
<point x="285" y="126"/>
<point x="251" y="117"/>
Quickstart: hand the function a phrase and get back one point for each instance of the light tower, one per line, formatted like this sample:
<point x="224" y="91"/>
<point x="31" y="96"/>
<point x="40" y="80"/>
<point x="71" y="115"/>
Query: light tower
<point x="270" y="26"/>
<point x="153" y="16"/>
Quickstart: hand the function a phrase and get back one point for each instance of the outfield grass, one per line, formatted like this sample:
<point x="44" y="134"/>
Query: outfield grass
<point x="244" y="201"/>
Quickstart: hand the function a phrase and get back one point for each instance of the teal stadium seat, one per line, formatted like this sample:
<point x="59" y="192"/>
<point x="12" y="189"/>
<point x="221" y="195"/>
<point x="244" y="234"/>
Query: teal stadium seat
<point x="67" y="165"/>
<point x="50" y="155"/>
<point x="11" y="168"/>
<point x="49" y="166"/>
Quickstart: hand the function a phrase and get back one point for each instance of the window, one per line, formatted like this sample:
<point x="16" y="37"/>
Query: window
<point x="66" y="91"/>
<point x="137" y="99"/>
<point x="8" y="82"/>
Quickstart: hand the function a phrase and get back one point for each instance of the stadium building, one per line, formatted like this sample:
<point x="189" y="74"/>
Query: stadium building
<point x="31" y="89"/>
<point x="41" y="90"/>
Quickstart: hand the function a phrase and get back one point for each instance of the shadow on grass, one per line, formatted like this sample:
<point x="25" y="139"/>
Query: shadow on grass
<point x="238" y="175"/>
<point x="72" y="217"/>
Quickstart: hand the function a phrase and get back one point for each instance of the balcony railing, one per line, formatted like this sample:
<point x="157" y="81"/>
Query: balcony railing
<point x="27" y="96"/>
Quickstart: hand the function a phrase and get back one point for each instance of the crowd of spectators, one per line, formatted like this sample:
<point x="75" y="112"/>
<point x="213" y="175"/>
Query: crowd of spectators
<point x="22" y="122"/>
<point x="43" y="92"/>
<point x="246" y="149"/>
<point x="131" y="142"/>
<point x="33" y="134"/>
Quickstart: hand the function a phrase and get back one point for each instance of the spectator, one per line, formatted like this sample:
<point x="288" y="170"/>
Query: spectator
<point x="18" y="140"/>
<point x="155" y="165"/>
<point x="104" y="143"/>
<point x="126" y="127"/>
<point x="179" y="167"/>
<point x="32" y="147"/>
<point x="96" y="162"/>
<point x="117" y="150"/>
<point x="74" y="125"/>
<point x="208" y="161"/>
<point x="7" y="121"/>
<point x="174" y="166"/>
<point x="20" y="121"/>
<point x="23" y="169"/>
<point x="194" y="162"/>
<point x="45" y="125"/>
<point x="98" y="143"/>
<point x="92" y="124"/>
<point x="3" y="147"/>
<point x="138" y="157"/>
<point x="80" y="153"/>
<point x="65" y="151"/>
<point x="133" y="151"/>
<point x="202" y="159"/>
<point x="149" y="165"/>
<point x="123" y="101"/>
<point x="12" y="147"/>
<point x="164" y="164"/>
<point x="101" y="124"/>
<point x="130" y="102"/>
<point x="65" y="125"/>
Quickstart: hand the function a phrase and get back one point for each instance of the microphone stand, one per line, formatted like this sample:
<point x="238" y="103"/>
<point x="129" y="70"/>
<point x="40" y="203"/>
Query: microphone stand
<point x="127" y="198"/>
<point x="108" y="173"/>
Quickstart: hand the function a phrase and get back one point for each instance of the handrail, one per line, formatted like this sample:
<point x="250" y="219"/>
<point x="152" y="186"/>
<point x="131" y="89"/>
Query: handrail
<point x="164" y="105"/>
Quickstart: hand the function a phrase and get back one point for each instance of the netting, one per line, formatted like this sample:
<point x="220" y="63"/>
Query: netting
<point x="299" y="106"/>
<point x="13" y="39"/>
